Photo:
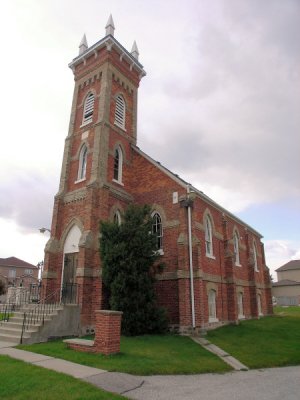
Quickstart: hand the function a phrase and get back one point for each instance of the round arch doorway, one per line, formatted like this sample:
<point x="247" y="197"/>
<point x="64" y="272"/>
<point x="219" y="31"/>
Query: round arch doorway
<point x="71" y="251"/>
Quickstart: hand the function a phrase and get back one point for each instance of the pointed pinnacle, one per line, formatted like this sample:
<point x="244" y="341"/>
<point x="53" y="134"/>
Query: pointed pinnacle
<point x="135" y="51"/>
<point x="110" y="26"/>
<point x="83" y="45"/>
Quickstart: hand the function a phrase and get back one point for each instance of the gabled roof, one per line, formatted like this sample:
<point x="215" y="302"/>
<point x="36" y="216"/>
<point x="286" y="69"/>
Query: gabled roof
<point x="286" y="282"/>
<point x="15" y="262"/>
<point x="293" y="264"/>
<point x="184" y="184"/>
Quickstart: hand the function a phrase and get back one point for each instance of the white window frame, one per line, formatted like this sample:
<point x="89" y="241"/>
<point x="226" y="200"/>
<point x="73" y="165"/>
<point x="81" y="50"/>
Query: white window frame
<point x="241" y="306"/>
<point x="12" y="273"/>
<point x="157" y="228"/>
<point x="81" y="174"/>
<point x="208" y="237"/>
<point x="212" y="306"/>
<point x="118" y="169"/>
<point x="236" y="249"/>
<point x="117" y="218"/>
<point x="259" y="307"/>
<point x="88" y="109"/>
<point x="28" y="271"/>
<point x="120" y="112"/>
<point x="255" y="257"/>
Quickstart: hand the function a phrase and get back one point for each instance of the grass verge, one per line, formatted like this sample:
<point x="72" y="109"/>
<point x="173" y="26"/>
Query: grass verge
<point x="4" y="315"/>
<point x="267" y="342"/>
<point x="22" y="381"/>
<point x="143" y="355"/>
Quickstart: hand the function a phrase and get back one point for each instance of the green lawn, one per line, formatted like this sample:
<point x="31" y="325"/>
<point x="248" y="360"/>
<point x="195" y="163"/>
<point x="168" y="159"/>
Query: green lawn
<point x="22" y="381"/>
<point x="267" y="342"/>
<point x="6" y="315"/>
<point x="287" y="311"/>
<point x="143" y="355"/>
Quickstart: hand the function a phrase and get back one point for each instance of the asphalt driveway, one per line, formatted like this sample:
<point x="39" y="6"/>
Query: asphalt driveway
<point x="268" y="384"/>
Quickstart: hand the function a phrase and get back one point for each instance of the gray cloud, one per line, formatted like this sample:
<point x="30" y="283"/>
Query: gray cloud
<point x="240" y="97"/>
<point x="219" y="105"/>
<point x="28" y="200"/>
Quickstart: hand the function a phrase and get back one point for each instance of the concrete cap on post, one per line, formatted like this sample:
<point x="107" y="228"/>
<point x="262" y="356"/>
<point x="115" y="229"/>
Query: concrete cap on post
<point x="109" y="312"/>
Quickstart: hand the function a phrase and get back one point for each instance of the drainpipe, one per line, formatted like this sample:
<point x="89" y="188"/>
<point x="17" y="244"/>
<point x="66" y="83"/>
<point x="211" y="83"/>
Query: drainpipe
<point x="191" y="255"/>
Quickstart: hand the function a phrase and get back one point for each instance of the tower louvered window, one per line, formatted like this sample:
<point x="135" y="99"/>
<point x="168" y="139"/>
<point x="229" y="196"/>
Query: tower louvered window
<point x="88" y="109"/>
<point x="120" y="112"/>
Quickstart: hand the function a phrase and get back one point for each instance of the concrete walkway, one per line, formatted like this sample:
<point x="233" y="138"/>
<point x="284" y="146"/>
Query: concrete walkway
<point x="267" y="384"/>
<point x="227" y="358"/>
<point x="113" y="382"/>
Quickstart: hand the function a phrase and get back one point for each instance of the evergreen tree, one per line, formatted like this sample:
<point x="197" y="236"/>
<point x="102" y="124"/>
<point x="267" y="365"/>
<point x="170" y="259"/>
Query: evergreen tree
<point x="129" y="253"/>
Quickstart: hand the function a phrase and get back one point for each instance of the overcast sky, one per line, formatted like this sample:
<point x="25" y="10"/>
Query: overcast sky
<point x="219" y="106"/>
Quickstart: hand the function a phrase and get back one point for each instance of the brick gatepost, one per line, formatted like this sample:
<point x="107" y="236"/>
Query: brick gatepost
<point x="108" y="331"/>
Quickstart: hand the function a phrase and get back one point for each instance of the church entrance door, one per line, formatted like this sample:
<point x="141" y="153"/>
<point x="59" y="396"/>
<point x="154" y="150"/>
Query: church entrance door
<point x="69" y="277"/>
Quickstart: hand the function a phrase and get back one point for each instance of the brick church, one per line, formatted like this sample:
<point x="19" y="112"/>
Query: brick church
<point x="215" y="264"/>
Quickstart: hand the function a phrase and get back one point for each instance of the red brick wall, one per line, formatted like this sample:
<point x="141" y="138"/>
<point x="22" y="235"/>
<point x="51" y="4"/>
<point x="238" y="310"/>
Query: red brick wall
<point x="145" y="183"/>
<point x="108" y="331"/>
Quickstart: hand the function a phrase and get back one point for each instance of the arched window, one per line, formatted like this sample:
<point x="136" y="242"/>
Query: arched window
<point x="117" y="218"/>
<point x="118" y="164"/>
<point x="208" y="237"/>
<point x="236" y="248"/>
<point x="255" y="257"/>
<point x="212" y="309"/>
<point x="157" y="229"/>
<point x="88" y="109"/>
<point x="240" y="305"/>
<point x="82" y="163"/>
<point x="120" y="112"/>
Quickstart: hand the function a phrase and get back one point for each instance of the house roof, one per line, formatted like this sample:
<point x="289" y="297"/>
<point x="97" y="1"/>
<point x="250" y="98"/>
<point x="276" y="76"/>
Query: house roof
<point x="15" y="262"/>
<point x="286" y="282"/>
<point x="184" y="184"/>
<point x="293" y="264"/>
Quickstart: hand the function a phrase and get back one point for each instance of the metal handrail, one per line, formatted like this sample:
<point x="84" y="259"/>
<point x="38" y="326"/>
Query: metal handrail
<point x="17" y="300"/>
<point x="6" y="311"/>
<point x="25" y="296"/>
<point x="47" y="306"/>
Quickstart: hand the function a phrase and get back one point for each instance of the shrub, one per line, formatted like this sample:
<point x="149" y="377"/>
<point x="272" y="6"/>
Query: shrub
<point x="129" y="256"/>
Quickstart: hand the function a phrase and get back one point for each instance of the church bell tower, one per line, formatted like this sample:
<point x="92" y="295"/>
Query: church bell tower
<point x="94" y="182"/>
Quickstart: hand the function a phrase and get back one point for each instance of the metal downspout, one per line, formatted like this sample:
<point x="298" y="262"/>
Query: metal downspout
<point x="191" y="260"/>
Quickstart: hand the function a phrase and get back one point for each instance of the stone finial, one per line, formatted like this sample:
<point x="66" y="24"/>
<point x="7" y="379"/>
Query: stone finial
<point x="83" y="45"/>
<point x="110" y="26"/>
<point x="134" y="51"/>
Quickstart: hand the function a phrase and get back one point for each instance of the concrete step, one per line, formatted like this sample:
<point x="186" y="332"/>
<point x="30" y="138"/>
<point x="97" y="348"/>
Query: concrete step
<point x="17" y="330"/>
<point x="9" y="338"/>
<point x="13" y="324"/>
<point x="13" y="338"/>
<point x="11" y="331"/>
<point x="19" y="316"/>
